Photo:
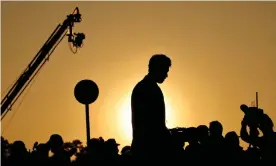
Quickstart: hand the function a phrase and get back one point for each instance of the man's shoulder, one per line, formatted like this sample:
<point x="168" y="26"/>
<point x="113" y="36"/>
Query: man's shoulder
<point x="137" y="88"/>
<point x="141" y="89"/>
<point x="141" y="86"/>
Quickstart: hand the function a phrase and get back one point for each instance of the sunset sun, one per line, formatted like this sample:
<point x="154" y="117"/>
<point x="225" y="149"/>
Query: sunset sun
<point x="124" y="108"/>
<point x="125" y="118"/>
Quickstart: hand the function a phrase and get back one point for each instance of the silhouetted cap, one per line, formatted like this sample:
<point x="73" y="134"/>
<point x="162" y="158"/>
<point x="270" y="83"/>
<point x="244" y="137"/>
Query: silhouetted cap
<point x="112" y="141"/>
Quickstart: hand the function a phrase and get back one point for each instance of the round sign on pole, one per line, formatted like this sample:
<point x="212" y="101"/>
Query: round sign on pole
<point x="86" y="91"/>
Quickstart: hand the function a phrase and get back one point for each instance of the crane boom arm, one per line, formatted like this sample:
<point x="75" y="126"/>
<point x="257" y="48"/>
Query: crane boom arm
<point x="40" y="58"/>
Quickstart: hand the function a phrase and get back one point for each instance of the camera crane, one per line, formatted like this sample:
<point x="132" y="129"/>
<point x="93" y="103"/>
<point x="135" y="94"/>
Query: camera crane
<point x="75" y="41"/>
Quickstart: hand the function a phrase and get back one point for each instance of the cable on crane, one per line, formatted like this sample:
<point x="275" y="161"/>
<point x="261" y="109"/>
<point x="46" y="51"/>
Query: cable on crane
<point x="5" y="91"/>
<point x="35" y="74"/>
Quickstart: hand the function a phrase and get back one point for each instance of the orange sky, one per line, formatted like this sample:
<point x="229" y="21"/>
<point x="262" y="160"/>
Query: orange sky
<point x="222" y="53"/>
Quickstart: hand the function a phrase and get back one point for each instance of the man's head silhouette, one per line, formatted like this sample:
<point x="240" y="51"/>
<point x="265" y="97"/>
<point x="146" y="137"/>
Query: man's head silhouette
<point x="159" y="66"/>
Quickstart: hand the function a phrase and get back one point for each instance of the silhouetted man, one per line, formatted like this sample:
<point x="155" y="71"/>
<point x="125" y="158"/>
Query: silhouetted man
<point x="150" y="134"/>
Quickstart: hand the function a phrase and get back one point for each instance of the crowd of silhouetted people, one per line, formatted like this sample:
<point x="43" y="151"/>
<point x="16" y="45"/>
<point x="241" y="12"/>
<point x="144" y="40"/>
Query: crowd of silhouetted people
<point x="194" y="144"/>
<point x="152" y="141"/>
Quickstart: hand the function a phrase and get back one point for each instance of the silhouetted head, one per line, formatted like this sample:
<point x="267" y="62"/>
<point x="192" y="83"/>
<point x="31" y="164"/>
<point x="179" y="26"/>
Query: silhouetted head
<point x="244" y="108"/>
<point x="215" y="128"/>
<point x="101" y="139"/>
<point x="111" y="142"/>
<point x="4" y="143"/>
<point x="18" y="148"/>
<point x="94" y="144"/>
<point x="203" y="132"/>
<point x="232" y="139"/>
<point x="126" y="150"/>
<point x="159" y="66"/>
<point x="112" y="146"/>
<point x="55" y="142"/>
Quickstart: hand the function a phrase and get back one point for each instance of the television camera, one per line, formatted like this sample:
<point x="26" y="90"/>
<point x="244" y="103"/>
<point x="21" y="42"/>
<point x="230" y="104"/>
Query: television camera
<point x="184" y="134"/>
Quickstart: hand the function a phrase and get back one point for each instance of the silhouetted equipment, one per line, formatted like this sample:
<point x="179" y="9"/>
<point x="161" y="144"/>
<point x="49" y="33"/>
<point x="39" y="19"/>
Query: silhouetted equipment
<point x="86" y="92"/>
<point x="75" y="40"/>
<point x="254" y="116"/>
<point x="181" y="133"/>
<point x="257" y="100"/>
